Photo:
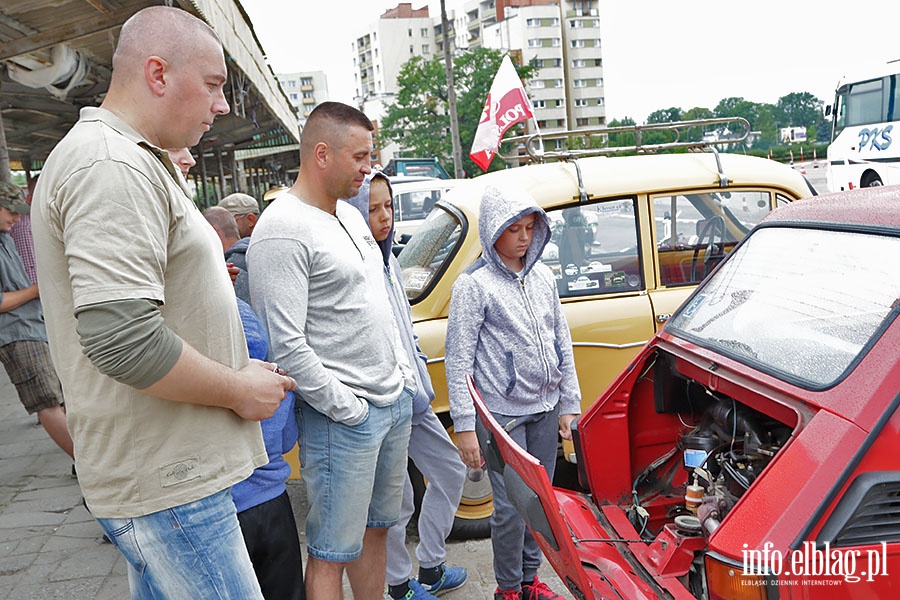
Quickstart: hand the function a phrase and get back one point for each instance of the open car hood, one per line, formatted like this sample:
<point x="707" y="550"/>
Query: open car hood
<point x="566" y="525"/>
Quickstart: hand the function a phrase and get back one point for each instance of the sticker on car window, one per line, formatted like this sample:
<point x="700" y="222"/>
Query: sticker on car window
<point x="596" y="267"/>
<point x="694" y="305"/>
<point x="613" y="280"/>
<point x="583" y="283"/>
<point x="416" y="279"/>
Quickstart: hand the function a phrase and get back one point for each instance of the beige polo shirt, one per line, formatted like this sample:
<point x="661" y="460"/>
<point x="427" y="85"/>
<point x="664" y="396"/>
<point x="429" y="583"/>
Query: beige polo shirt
<point x="111" y="221"/>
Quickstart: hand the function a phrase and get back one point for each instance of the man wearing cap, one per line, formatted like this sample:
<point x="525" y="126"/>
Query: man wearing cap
<point x="245" y="210"/>
<point x="24" y="351"/>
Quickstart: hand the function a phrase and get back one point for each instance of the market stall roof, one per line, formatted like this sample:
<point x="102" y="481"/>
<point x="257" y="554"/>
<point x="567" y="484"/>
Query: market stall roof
<point x="56" y="57"/>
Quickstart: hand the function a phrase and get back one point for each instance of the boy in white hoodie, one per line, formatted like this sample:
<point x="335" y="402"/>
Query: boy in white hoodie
<point x="506" y="328"/>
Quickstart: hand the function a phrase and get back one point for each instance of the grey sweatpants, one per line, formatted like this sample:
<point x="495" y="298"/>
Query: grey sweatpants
<point x="435" y="455"/>
<point x="516" y="555"/>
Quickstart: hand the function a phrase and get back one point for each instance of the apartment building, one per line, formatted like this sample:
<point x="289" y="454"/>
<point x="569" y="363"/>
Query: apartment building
<point x="562" y="39"/>
<point x="380" y="51"/>
<point x="384" y="47"/>
<point x="304" y="91"/>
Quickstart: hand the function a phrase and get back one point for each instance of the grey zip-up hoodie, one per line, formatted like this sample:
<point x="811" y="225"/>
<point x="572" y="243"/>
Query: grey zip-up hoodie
<point x="393" y="280"/>
<point x="507" y="329"/>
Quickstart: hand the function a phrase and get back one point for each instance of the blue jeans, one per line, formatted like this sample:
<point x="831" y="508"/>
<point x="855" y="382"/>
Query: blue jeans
<point x="194" y="551"/>
<point x="354" y="475"/>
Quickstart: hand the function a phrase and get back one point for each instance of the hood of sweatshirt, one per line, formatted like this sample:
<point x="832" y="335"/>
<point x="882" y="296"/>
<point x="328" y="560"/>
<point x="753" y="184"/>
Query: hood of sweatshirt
<point x="361" y="203"/>
<point x="239" y="247"/>
<point x="500" y="209"/>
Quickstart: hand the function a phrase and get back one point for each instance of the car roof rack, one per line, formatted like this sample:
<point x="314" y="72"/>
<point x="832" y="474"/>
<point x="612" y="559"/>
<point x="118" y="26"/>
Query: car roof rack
<point x="533" y="144"/>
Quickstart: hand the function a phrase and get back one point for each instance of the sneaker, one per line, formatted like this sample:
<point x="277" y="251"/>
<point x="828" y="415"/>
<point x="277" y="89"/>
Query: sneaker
<point x="451" y="578"/>
<point x="507" y="594"/>
<point x="416" y="592"/>
<point x="538" y="590"/>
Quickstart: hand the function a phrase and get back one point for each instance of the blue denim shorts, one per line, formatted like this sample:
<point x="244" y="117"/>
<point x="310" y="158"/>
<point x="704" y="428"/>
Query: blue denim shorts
<point x="354" y="475"/>
<point x="191" y="551"/>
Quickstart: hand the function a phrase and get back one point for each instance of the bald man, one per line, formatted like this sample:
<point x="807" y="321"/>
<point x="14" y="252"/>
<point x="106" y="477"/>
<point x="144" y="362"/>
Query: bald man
<point x="164" y="403"/>
<point x="317" y="284"/>
<point x="234" y="245"/>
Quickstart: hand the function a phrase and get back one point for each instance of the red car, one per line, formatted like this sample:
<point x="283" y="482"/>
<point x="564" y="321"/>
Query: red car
<point x="752" y="448"/>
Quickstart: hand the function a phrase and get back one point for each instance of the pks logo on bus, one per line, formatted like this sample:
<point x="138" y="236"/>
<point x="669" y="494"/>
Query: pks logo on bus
<point x="875" y="138"/>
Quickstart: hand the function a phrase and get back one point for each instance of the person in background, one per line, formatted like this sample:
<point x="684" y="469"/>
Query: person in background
<point x="21" y="235"/>
<point x="430" y="447"/>
<point x="245" y="209"/>
<point x="235" y="248"/>
<point x="164" y="406"/>
<point x="24" y="351"/>
<point x="182" y="159"/>
<point x="263" y="505"/>
<point x="507" y="330"/>
<point x="317" y="284"/>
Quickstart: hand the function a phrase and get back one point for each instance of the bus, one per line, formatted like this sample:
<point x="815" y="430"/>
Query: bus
<point x="865" y="120"/>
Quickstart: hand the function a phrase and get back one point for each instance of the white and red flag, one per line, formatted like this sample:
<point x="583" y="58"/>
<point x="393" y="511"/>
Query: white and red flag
<point x="506" y="105"/>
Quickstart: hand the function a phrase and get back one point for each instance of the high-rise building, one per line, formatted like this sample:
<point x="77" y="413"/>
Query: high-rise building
<point x="559" y="37"/>
<point x="380" y="51"/>
<point x="304" y="91"/>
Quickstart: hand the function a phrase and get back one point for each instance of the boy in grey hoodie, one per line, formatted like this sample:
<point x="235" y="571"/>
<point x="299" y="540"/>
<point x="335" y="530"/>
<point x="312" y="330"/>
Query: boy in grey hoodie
<point x="506" y="328"/>
<point x="430" y="447"/>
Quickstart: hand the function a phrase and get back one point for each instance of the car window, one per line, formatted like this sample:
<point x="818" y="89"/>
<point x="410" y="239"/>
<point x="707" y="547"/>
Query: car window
<point x="426" y="253"/>
<point x="593" y="248"/>
<point x="412" y="205"/>
<point x="800" y="303"/>
<point x="695" y="231"/>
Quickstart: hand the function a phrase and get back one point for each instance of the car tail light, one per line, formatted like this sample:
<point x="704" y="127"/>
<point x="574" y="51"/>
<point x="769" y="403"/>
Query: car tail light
<point x="728" y="582"/>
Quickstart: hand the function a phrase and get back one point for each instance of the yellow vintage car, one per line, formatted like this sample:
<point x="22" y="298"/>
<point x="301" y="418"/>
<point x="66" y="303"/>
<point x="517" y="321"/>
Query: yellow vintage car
<point x="632" y="236"/>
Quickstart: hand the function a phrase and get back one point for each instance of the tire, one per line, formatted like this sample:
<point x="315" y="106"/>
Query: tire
<point x="470" y="529"/>
<point x="871" y="180"/>
<point x="469" y="523"/>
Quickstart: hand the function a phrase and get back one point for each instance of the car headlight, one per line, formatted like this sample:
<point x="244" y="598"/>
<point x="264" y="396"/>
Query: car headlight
<point x="728" y="582"/>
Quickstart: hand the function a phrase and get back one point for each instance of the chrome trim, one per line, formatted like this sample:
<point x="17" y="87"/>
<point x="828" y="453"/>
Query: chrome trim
<point x="440" y="359"/>
<point x="612" y="346"/>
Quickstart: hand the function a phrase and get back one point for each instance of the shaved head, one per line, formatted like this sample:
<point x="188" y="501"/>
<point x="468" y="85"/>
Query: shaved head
<point x="168" y="33"/>
<point x="169" y="76"/>
<point x="223" y="222"/>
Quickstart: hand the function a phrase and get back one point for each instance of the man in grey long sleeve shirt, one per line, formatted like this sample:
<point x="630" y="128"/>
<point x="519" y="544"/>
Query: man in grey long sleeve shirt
<point x="316" y="283"/>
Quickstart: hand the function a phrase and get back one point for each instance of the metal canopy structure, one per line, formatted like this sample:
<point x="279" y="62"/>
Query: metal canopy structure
<point x="56" y="57"/>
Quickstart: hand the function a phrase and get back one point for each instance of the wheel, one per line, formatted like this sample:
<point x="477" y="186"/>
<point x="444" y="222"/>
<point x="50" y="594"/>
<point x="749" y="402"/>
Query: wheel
<point x="470" y="529"/>
<point x="871" y="179"/>
<point x="473" y="518"/>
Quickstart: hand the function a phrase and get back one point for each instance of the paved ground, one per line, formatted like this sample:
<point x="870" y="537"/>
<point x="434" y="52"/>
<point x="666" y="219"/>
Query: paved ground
<point x="51" y="548"/>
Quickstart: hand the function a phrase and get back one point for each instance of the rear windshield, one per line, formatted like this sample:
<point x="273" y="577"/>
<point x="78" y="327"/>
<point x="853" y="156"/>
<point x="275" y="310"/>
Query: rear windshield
<point x="799" y="303"/>
<point x="426" y="253"/>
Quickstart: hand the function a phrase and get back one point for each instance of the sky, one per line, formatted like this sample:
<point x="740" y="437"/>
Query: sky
<point x="656" y="53"/>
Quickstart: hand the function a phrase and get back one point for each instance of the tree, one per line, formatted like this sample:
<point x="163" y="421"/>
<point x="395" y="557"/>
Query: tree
<point x="738" y="107"/>
<point x="663" y="115"/>
<point x="695" y="134"/>
<point x="622" y="139"/>
<point x="799" y="109"/>
<point x="419" y="118"/>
